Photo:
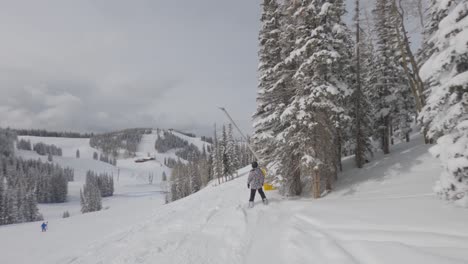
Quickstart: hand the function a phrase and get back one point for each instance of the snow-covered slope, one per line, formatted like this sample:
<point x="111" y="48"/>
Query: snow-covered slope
<point x="195" y="141"/>
<point x="384" y="213"/>
<point x="130" y="178"/>
<point x="68" y="145"/>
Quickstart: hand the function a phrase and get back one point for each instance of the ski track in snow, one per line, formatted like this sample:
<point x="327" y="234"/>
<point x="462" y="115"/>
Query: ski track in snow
<point x="382" y="214"/>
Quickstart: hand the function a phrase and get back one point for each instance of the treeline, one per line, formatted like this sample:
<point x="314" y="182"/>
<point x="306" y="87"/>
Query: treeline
<point x="105" y="158"/>
<point x="40" y="148"/>
<point x="96" y="187"/>
<point x="7" y="142"/>
<point x="18" y="201"/>
<point x="220" y="161"/>
<point x="184" y="133"/>
<point x="325" y="90"/>
<point x="49" y="181"/>
<point x="169" y="141"/>
<point x="45" y="149"/>
<point x="103" y="181"/>
<point x="24" y="183"/>
<point x="228" y="155"/>
<point x="189" y="152"/>
<point x="170" y="162"/>
<point x="45" y="133"/>
<point x="188" y="177"/>
<point x="111" y="143"/>
<point x="24" y="144"/>
<point x="184" y="149"/>
<point x="207" y="139"/>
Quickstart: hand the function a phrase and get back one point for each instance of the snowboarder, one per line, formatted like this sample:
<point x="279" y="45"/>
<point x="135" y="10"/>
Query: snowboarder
<point x="44" y="226"/>
<point x="255" y="183"/>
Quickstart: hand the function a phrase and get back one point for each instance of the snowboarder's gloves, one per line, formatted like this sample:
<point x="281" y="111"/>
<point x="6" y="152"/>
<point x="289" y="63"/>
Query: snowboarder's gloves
<point x="248" y="186"/>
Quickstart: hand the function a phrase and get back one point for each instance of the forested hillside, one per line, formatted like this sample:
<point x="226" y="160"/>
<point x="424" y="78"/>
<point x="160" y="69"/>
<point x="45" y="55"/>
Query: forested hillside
<point x="112" y="143"/>
<point x="24" y="183"/>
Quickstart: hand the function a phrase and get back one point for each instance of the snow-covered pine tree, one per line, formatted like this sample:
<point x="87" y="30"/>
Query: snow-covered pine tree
<point x="111" y="185"/>
<point x="281" y="163"/>
<point x="30" y="210"/>
<point x="368" y="60"/>
<point x="204" y="168"/>
<point x="66" y="214"/>
<point x="445" y="72"/>
<point x="7" y="145"/>
<point x="391" y="92"/>
<point x="217" y="153"/>
<point x="195" y="177"/>
<point x="90" y="198"/>
<point x="232" y="157"/>
<point x="321" y="87"/>
<point x="11" y="206"/>
<point x="177" y="181"/>
<point x="224" y="153"/>
<point x="270" y="83"/>
<point x="360" y="106"/>
<point x="83" y="203"/>
<point x="173" y="192"/>
<point x="77" y="153"/>
<point x="2" y="199"/>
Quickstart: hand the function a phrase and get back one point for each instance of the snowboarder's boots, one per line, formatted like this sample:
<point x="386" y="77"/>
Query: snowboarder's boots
<point x="265" y="201"/>
<point x="251" y="204"/>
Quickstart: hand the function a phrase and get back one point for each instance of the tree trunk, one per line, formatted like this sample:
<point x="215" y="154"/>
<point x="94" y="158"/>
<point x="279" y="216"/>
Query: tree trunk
<point x="416" y="83"/>
<point x="296" y="185"/>
<point x="386" y="135"/>
<point x="359" y="151"/>
<point x="338" y="149"/>
<point x="316" y="184"/>
<point x="391" y="134"/>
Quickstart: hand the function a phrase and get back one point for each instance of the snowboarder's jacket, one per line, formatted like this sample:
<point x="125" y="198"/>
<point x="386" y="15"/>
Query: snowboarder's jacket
<point x="256" y="178"/>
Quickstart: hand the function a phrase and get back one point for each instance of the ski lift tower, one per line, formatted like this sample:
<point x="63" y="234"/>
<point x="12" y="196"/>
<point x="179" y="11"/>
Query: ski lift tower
<point x="240" y="132"/>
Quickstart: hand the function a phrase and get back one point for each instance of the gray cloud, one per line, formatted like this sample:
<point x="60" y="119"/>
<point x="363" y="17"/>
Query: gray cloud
<point x="100" y="65"/>
<point x="103" y="65"/>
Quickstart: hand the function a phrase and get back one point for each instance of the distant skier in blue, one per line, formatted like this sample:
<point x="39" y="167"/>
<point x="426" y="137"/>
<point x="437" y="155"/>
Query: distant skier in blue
<point x="44" y="226"/>
<point x="255" y="183"/>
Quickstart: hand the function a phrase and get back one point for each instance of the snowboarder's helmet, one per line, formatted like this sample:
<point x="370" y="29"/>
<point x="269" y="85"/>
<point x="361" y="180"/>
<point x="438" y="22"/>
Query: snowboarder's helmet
<point x="254" y="164"/>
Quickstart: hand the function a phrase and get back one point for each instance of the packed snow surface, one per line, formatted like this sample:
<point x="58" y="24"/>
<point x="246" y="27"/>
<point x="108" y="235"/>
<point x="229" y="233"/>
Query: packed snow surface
<point x="384" y="213"/>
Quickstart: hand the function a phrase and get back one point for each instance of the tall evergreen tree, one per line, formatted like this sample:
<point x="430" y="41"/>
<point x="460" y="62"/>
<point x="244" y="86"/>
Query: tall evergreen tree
<point x="195" y="178"/>
<point x="321" y="86"/>
<point x="285" y="166"/>
<point x="391" y="94"/>
<point x="224" y="153"/>
<point x="270" y="84"/>
<point x="445" y="72"/>
<point x="360" y="105"/>
<point x="2" y="200"/>
<point x="232" y="157"/>
<point x="90" y="197"/>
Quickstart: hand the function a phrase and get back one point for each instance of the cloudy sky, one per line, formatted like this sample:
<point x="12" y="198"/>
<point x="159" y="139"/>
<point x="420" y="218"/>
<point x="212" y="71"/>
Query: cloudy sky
<point x="99" y="65"/>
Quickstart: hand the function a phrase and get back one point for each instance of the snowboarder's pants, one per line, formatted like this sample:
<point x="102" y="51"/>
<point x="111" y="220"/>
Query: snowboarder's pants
<point x="252" y="194"/>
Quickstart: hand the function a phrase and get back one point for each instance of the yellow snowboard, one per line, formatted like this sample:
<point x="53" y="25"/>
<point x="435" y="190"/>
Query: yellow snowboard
<point x="267" y="186"/>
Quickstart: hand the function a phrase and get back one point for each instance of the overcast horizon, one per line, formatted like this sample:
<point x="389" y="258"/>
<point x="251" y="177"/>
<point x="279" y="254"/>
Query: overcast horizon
<point x="96" y="66"/>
